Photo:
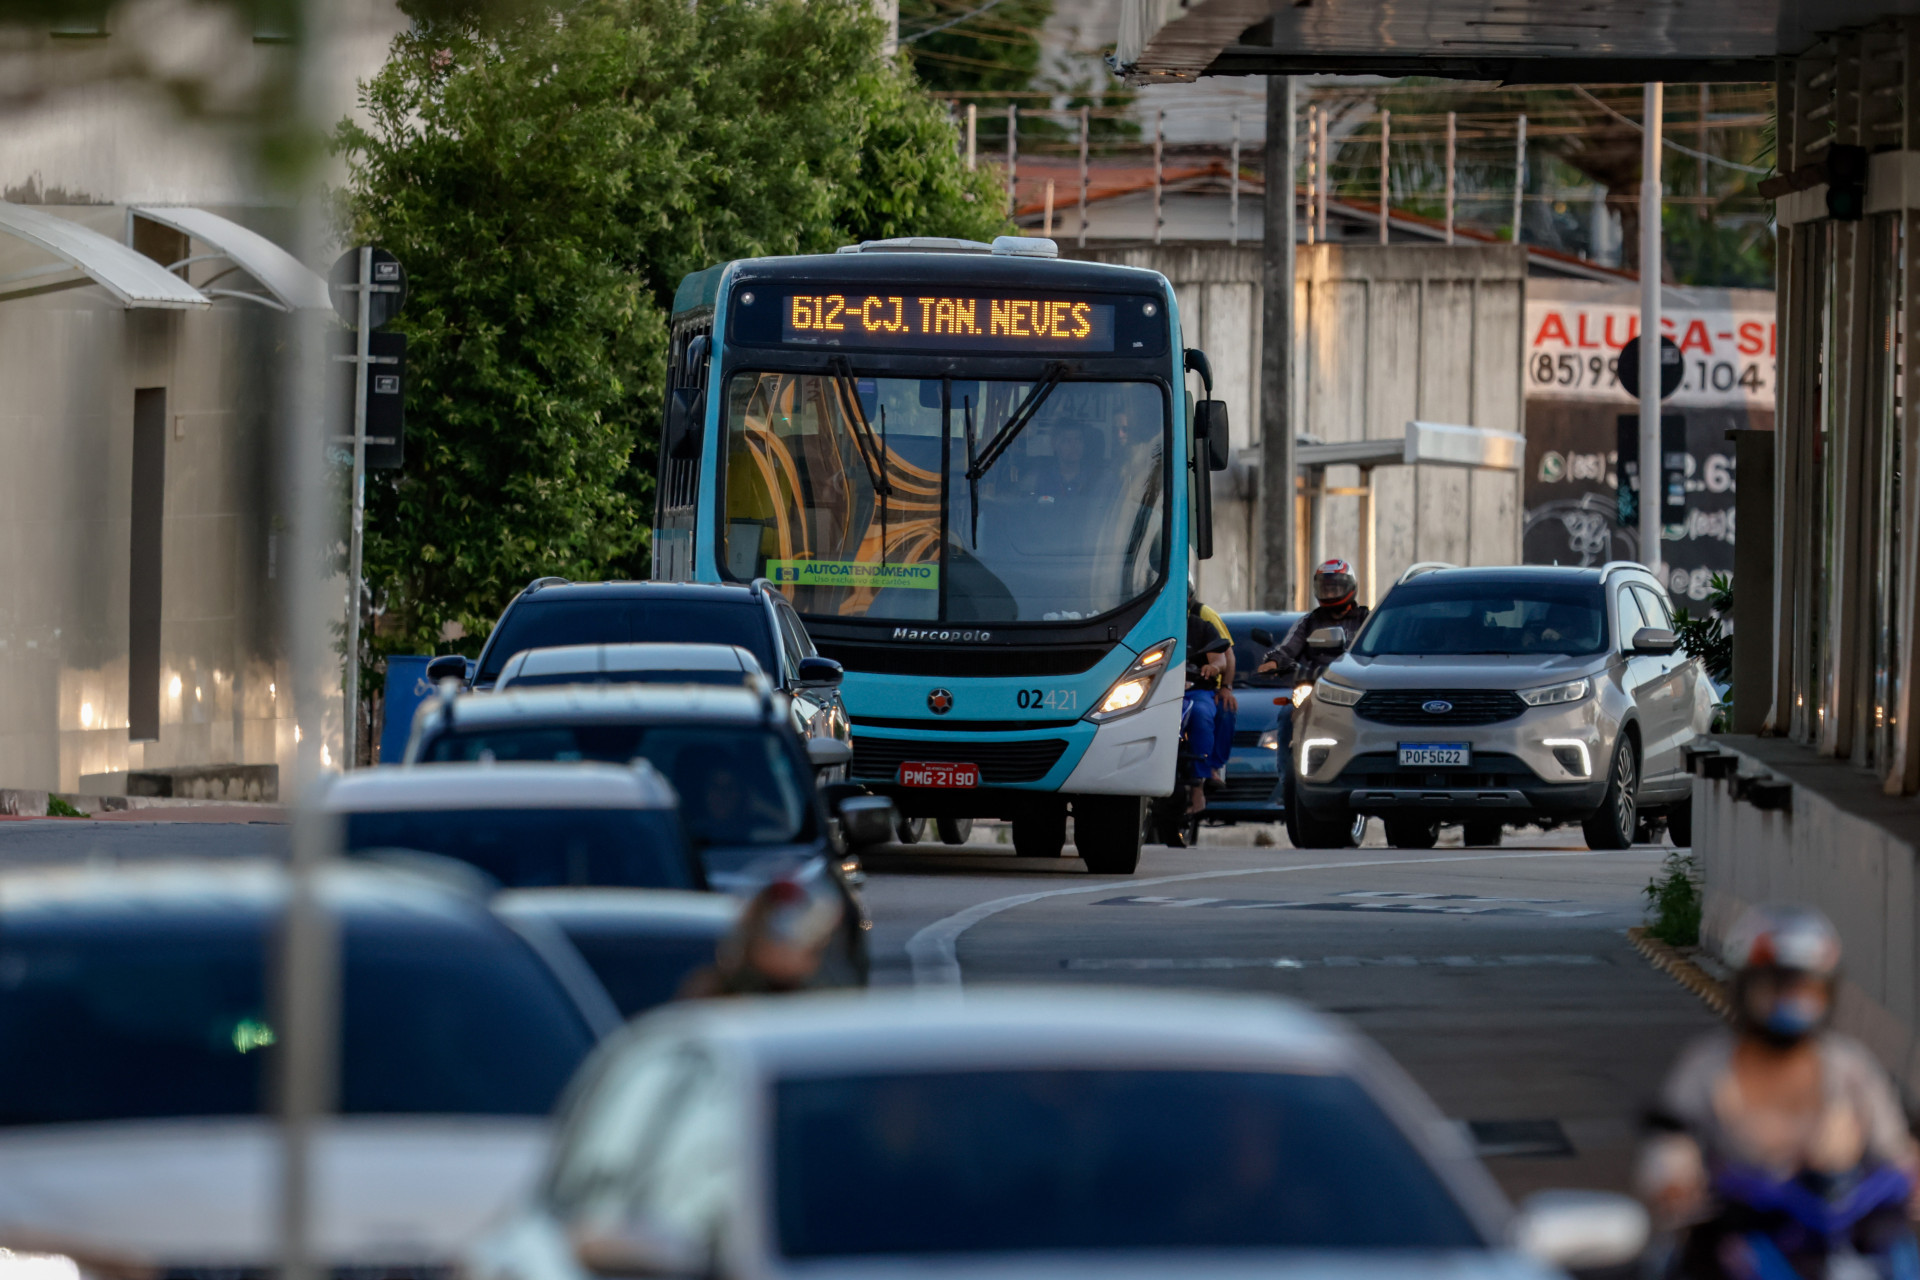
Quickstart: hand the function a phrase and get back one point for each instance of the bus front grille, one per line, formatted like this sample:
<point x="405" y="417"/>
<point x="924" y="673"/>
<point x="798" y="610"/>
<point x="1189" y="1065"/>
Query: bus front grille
<point x="955" y="661"/>
<point x="1000" y="762"/>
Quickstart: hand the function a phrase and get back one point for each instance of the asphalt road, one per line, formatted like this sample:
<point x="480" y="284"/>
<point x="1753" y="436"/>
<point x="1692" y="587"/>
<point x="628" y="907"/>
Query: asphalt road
<point x="1500" y="979"/>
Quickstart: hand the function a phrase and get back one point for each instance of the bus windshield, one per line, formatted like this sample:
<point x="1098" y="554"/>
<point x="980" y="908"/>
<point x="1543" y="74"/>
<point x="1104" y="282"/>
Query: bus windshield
<point x="946" y="500"/>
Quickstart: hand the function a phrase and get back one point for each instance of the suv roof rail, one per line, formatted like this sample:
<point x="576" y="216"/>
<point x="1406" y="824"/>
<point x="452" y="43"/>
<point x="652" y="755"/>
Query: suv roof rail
<point x="1424" y="566"/>
<point x="759" y="585"/>
<point x="538" y="583"/>
<point x="1612" y="567"/>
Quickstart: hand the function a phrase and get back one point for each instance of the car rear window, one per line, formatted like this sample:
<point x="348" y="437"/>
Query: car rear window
<point x="1002" y="1161"/>
<point x="730" y="679"/>
<point x="737" y="786"/>
<point x="143" y="1020"/>
<point x="1454" y="617"/>
<point x="546" y="624"/>
<point x="539" y="848"/>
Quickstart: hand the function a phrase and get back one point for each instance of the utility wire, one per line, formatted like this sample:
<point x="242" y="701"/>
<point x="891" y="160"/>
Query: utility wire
<point x="1685" y="151"/>
<point x="950" y="22"/>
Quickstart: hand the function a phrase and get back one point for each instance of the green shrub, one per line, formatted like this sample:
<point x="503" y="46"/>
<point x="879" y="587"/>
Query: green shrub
<point x="58" y="808"/>
<point x="1673" y="900"/>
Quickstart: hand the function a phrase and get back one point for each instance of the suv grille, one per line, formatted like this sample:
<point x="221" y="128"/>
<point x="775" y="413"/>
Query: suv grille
<point x="1000" y="762"/>
<point x="1246" y="788"/>
<point x="1246" y="737"/>
<point x="1469" y="706"/>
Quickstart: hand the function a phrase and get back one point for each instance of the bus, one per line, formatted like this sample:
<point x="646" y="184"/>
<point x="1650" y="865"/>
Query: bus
<point x="972" y="470"/>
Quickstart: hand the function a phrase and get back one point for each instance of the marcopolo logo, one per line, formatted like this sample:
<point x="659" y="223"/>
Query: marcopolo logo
<point x="939" y="636"/>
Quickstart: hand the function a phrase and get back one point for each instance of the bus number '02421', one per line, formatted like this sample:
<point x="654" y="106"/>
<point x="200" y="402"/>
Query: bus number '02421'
<point x="1048" y="699"/>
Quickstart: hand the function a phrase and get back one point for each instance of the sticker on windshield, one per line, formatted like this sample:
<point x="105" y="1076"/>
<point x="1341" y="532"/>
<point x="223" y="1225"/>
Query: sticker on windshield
<point x="852" y="573"/>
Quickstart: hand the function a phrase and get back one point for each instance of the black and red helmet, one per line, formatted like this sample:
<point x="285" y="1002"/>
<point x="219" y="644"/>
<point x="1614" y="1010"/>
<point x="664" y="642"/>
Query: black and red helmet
<point x="1334" y="584"/>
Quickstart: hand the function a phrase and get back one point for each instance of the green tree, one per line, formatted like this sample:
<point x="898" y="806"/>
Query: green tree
<point x="548" y="175"/>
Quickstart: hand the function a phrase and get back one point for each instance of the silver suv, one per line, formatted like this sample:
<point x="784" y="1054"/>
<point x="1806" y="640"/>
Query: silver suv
<point x="1486" y="697"/>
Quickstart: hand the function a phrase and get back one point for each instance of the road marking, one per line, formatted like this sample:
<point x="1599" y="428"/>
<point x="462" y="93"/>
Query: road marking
<point x="1443" y="897"/>
<point x="1148" y="964"/>
<point x="933" y="950"/>
<point x="1470" y="907"/>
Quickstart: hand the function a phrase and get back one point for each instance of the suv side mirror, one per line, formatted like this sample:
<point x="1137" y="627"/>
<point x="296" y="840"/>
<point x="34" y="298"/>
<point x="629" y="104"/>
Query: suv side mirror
<point x="1262" y="636"/>
<point x="1657" y="640"/>
<point x="448" y="666"/>
<point x="1328" y="640"/>
<point x="1210" y="424"/>
<point x="868" y="819"/>
<point x="1581" y="1230"/>
<point x="819" y="673"/>
<point x="826" y="753"/>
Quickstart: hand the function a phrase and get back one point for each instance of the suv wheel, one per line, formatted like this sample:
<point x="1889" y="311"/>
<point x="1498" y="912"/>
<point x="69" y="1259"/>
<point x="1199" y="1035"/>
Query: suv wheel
<point x="1042" y="834"/>
<point x="1107" y="831"/>
<point x="1614" y="824"/>
<point x="1483" y="833"/>
<point x="1412" y="833"/>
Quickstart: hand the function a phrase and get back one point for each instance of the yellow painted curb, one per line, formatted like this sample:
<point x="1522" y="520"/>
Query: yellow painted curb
<point x="1712" y="992"/>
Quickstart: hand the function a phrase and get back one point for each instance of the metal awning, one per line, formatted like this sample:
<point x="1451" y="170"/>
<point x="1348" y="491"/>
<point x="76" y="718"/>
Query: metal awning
<point x="1518" y="41"/>
<point x="135" y="279"/>
<point x="290" y="285"/>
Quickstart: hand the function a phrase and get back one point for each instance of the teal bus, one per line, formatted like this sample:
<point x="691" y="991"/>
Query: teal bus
<point x="978" y="474"/>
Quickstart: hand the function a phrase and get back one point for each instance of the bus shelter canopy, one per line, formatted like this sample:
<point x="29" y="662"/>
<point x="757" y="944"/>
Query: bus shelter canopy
<point x="136" y="280"/>
<point x="290" y="285"/>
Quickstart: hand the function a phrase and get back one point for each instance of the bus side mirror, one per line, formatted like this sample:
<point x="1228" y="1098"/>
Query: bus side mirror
<point x="1210" y="425"/>
<point x="685" y="408"/>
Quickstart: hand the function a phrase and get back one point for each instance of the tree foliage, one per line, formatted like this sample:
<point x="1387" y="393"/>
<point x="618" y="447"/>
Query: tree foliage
<point x="548" y="175"/>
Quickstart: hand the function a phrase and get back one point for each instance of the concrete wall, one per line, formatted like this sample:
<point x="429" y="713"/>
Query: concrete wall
<point x="1845" y="847"/>
<point x="69" y="364"/>
<point x="1383" y="335"/>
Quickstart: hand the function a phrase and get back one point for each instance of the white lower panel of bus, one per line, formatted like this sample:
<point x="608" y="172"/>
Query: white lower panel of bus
<point x="1135" y="755"/>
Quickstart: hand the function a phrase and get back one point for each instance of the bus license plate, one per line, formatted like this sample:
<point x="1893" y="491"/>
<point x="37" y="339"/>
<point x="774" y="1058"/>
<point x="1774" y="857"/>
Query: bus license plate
<point x="939" y="773"/>
<point x="1430" y="755"/>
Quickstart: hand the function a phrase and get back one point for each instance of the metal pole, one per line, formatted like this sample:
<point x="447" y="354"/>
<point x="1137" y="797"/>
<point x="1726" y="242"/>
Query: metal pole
<point x="1276" y="513"/>
<point x="1386" y="182"/>
<point x="973" y="123"/>
<point x="1324" y="146"/>
<point x="1048" y="224"/>
<point x="1313" y="158"/>
<point x="1650" y="495"/>
<point x="1700" y="135"/>
<point x="1519" y="175"/>
<point x="1159" y="175"/>
<point x="349" y="756"/>
<point x="1450" y="145"/>
<point x="1084" y="122"/>
<point x="1233" y="191"/>
<point x="1013" y="154"/>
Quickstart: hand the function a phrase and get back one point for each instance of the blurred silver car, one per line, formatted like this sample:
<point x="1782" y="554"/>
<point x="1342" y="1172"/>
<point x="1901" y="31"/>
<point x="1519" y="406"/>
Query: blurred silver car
<point x="1491" y="696"/>
<point x="1025" y="1131"/>
<point x="137" y="1048"/>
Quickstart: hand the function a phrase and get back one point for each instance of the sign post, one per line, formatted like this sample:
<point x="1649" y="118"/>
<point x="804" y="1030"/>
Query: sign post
<point x="360" y="274"/>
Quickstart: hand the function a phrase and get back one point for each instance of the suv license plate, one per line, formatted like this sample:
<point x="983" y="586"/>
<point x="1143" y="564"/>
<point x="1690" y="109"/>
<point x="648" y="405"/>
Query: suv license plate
<point x="939" y="773"/>
<point x="1429" y="755"/>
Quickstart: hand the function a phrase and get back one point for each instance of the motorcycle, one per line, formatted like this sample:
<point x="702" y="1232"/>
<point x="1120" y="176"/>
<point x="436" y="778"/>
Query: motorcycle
<point x="1853" y="1226"/>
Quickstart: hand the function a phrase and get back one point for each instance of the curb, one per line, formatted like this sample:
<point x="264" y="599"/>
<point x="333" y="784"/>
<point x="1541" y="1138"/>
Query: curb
<point x="1711" y="991"/>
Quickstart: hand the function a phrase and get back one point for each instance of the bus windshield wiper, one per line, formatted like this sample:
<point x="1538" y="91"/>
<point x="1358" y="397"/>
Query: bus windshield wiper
<point x="1018" y="422"/>
<point x="872" y="454"/>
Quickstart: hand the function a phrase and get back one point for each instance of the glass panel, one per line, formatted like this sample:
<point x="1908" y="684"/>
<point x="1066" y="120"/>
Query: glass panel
<point x="834" y="491"/>
<point x="1884" y="457"/>
<point x="1534" y="618"/>
<point x="533" y="848"/>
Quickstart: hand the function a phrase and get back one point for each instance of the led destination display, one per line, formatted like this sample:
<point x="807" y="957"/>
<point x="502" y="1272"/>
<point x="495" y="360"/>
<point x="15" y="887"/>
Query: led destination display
<point x="915" y="321"/>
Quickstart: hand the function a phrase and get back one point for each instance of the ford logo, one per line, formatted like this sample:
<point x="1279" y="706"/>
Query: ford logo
<point x="1436" y="707"/>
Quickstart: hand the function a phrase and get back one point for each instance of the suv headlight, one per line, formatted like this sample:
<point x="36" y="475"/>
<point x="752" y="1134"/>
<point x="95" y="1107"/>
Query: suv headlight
<point x="1130" y="692"/>
<point x="1554" y="694"/>
<point x="1335" y="695"/>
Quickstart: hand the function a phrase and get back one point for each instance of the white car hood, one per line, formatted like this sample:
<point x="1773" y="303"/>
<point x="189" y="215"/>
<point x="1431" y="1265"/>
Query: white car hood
<point x="405" y="1190"/>
<point x="1463" y="670"/>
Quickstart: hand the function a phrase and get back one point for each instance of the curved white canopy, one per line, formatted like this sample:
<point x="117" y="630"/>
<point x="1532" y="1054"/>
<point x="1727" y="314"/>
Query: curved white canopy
<point x="135" y="279"/>
<point x="285" y="278"/>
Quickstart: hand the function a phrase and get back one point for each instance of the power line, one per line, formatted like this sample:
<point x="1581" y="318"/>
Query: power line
<point x="950" y="22"/>
<point x="1685" y="151"/>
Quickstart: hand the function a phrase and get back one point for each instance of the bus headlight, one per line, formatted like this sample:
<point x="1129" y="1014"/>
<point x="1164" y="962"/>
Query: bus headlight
<point x="1130" y="692"/>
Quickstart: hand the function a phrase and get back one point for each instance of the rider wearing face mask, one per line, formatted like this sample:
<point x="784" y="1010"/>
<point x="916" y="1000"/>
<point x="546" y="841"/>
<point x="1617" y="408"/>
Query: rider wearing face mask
<point x="1778" y="1098"/>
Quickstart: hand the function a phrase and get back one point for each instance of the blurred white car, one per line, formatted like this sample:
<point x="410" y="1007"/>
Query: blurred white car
<point x="1029" y="1132"/>
<point x="137" y="1050"/>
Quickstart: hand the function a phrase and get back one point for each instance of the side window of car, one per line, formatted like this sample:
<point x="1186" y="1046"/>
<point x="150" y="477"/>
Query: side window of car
<point x="685" y="1181"/>
<point x="1628" y="616"/>
<point x="800" y="636"/>
<point x="790" y="643"/>
<point x="1653" y="605"/>
<point x="610" y="1125"/>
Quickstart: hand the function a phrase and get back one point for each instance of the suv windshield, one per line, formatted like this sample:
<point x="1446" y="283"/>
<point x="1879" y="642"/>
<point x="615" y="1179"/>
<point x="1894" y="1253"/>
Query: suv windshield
<point x="124" y="1018"/>
<point x="1456" y="617"/>
<point x="997" y="1161"/>
<point x="537" y="848"/>
<point x="855" y="496"/>
<point x="545" y="624"/>
<point x="738" y="786"/>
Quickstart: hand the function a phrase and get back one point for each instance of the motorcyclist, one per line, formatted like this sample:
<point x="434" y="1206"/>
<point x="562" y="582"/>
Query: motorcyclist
<point x="1778" y="1099"/>
<point x="1334" y="589"/>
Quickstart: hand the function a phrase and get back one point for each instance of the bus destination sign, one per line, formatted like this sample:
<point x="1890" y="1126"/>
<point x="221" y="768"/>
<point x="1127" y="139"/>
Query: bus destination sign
<point x="935" y="322"/>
